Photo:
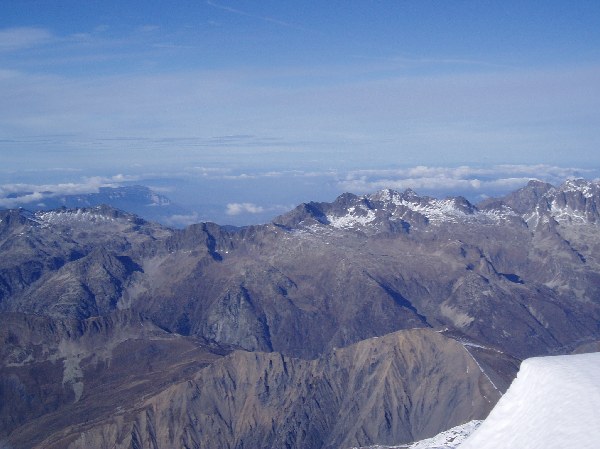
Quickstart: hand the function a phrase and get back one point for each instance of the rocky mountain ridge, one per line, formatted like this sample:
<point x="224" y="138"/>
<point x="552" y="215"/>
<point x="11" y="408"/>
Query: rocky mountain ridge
<point x="502" y="280"/>
<point x="574" y="201"/>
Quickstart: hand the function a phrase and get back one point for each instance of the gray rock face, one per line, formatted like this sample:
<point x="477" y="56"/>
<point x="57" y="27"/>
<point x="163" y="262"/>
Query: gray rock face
<point x="509" y="278"/>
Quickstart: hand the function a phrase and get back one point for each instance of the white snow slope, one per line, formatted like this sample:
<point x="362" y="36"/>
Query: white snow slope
<point x="554" y="403"/>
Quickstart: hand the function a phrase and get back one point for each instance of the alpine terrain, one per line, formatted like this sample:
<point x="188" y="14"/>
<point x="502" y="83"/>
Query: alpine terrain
<point x="381" y="319"/>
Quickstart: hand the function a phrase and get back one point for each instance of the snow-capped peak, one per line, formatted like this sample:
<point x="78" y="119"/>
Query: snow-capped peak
<point x="355" y="216"/>
<point x="385" y="206"/>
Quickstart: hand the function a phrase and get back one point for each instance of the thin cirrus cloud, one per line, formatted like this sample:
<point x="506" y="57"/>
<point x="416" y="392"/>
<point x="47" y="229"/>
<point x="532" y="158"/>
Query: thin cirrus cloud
<point x="19" y="38"/>
<point x="521" y="116"/>
<point x="262" y="18"/>
<point x="175" y="81"/>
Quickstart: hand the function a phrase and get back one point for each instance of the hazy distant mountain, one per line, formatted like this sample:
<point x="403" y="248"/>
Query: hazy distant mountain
<point x="139" y="200"/>
<point x="123" y="333"/>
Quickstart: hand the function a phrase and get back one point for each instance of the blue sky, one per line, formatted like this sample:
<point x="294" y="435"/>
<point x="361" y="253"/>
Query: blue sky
<point x="266" y="104"/>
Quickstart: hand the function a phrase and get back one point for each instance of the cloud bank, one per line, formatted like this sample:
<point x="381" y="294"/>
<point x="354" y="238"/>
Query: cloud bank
<point x="476" y="181"/>
<point x="21" y="194"/>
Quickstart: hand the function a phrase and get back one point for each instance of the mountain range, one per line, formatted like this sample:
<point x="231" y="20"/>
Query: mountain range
<point x="377" y="319"/>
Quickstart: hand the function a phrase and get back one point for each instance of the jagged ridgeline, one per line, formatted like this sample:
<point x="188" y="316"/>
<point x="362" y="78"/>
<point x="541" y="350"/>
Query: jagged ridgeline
<point x="121" y="333"/>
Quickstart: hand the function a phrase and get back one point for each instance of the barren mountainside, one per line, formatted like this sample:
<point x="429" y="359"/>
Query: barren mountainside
<point x="117" y="332"/>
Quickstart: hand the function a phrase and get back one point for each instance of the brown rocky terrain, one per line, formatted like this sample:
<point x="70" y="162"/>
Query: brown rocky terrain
<point x="401" y="387"/>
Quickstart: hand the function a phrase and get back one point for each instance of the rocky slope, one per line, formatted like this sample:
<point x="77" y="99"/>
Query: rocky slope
<point x="401" y="387"/>
<point x="56" y="373"/>
<point x="507" y="279"/>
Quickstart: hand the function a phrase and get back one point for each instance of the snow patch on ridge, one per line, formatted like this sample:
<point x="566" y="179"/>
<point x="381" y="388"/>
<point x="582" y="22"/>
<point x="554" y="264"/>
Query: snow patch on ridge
<point x="562" y="214"/>
<point x="435" y="210"/>
<point x="578" y="186"/>
<point x="62" y="217"/>
<point x="352" y="218"/>
<point x="448" y="439"/>
<point x="438" y="210"/>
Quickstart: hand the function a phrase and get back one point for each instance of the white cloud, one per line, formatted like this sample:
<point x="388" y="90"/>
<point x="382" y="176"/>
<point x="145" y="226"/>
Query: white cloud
<point x="243" y="208"/>
<point x="12" y="39"/>
<point x="182" y="220"/>
<point x="208" y="171"/>
<point x="162" y="189"/>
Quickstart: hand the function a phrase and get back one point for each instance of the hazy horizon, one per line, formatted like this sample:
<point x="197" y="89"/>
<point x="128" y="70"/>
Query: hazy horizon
<point x="241" y="110"/>
<point x="234" y="197"/>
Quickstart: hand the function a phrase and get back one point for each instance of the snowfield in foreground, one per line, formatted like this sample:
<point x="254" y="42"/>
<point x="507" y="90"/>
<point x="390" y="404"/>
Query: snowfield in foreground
<point x="553" y="403"/>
